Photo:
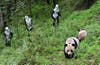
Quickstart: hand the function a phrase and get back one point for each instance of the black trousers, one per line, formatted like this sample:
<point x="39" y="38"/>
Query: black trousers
<point x="8" y="43"/>
<point x="55" y="21"/>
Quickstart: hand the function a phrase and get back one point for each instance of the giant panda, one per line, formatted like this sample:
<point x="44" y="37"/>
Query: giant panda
<point x="8" y="34"/>
<point x="72" y="43"/>
<point x="28" y="23"/>
<point x="82" y="34"/>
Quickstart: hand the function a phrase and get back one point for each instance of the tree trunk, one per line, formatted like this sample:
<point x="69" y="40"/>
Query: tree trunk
<point x="30" y="12"/>
<point x="48" y="1"/>
<point x="15" y="4"/>
<point x="55" y="2"/>
<point x="8" y="14"/>
<point x="85" y="4"/>
<point x="90" y="3"/>
<point x="1" y="21"/>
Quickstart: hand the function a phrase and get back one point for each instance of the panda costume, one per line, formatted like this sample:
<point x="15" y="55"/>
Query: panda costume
<point x="8" y="34"/>
<point x="55" y="15"/>
<point x="28" y="23"/>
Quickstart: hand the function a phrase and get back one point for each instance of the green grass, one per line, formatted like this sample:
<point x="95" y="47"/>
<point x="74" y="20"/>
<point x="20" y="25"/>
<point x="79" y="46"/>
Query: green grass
<point x="47" y="44"/>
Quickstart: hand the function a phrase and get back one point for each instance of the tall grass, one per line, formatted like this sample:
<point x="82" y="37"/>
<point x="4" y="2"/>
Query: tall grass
<point x="45" y="45"/>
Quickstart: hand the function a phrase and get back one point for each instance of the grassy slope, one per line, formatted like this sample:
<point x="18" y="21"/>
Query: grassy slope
<point x="46" y="45"/>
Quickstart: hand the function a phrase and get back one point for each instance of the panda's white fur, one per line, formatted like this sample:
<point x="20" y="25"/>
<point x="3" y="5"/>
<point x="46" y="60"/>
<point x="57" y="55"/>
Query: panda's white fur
<point x="72" y="43"/>
<point x="82" y="34"/>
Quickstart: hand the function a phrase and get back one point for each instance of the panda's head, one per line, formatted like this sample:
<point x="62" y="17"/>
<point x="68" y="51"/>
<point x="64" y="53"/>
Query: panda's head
<point x="70" y="46"/>
<point x="69" y="51"/>
<point x="56" y="6"/>
<point x="26" y="17"/>
<point x="7" y="29"/>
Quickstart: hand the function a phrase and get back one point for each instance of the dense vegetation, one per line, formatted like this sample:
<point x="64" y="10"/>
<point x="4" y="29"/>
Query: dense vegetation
<point x="45" y="44"/>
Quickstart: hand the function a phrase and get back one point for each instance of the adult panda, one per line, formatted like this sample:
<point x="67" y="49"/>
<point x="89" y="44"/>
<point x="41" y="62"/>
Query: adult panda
<point x="72" y="43"/>
<point x="28" y="23"/>
<point x="8" y="34"/>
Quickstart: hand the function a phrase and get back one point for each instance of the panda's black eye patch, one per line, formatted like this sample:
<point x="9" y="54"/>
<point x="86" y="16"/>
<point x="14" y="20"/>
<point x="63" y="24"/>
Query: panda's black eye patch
<point x="73" y="44"/>
<point x="71" y="50"/>
<point x="65" y="44"/>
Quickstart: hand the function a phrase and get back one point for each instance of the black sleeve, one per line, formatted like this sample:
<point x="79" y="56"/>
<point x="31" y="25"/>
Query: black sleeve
<point x="4" y="34"/>
<point x="52" y="14"/>
<point x="24" y="22"/>
<point x="11" y="33"/>
<point x="59" y="13"/>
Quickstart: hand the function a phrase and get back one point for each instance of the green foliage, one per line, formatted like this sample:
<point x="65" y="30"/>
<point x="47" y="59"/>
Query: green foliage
<point x="45" y="44"/>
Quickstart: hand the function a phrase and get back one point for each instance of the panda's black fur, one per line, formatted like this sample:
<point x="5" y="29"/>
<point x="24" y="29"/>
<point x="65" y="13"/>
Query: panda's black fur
<point x="69" y="47"/>
<point x="75" y="43"/>
<point x="66" y="55"/>
<point x="72" y="55"/>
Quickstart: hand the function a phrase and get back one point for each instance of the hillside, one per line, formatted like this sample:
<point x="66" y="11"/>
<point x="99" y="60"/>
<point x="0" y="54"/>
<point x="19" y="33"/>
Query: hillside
<point x="45" y="44"/>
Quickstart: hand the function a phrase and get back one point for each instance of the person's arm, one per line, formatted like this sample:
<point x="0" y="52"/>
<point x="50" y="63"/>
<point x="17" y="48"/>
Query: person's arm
<point x="59" y="13"/>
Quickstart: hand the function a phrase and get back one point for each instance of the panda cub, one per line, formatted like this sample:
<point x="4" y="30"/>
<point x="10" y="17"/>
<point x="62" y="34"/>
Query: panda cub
<point x="28" y="23"/>
<point x="82" y="34"/>
<point x="8" y="34"/>
<point x="72" y="43"/>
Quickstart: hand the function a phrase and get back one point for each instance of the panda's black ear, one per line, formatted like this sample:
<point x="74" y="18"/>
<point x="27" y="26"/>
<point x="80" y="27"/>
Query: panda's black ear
<point x="78" y="30"/>
<point x="81" y="29"/>
<point x="64" y="40"/>
<point x="65" y="45"/>
<point x="71" y="35"/>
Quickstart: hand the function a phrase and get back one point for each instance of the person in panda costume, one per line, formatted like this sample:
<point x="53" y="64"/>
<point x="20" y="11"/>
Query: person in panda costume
<point x="8" y="34"/>
<point x="28" y="23"/>
<point x="55" y="15"/>
<point x="72" y="43"/>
